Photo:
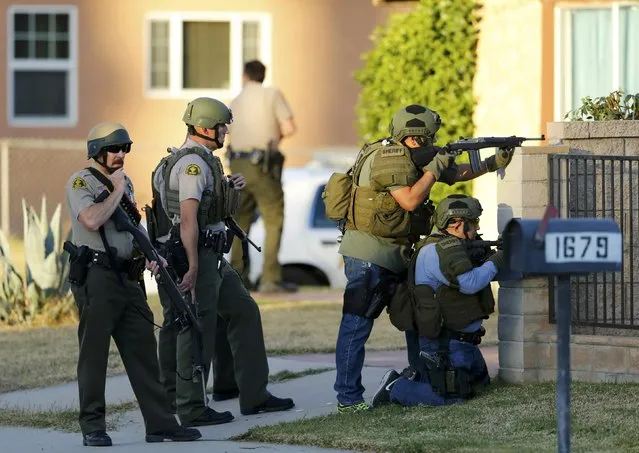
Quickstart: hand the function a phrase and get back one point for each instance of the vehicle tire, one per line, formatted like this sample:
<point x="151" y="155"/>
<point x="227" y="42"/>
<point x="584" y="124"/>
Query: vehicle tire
<point x="303" y="276"/>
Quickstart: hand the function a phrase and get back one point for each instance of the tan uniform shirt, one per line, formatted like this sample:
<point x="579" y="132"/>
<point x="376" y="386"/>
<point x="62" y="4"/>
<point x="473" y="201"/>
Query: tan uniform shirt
<point x="81" y="191"/>
<point x="257" y="113"/>
<point x="191" y="176"/>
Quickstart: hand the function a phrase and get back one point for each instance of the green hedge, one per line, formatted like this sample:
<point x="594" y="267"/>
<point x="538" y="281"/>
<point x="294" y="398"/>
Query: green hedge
<point x="427" y="56"/>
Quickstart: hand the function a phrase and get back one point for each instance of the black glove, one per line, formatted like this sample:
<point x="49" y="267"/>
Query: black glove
<point x="498" y="259"/>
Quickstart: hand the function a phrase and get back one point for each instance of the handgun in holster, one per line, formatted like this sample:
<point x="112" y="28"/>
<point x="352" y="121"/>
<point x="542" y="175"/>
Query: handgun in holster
<point x="79" y="259"/>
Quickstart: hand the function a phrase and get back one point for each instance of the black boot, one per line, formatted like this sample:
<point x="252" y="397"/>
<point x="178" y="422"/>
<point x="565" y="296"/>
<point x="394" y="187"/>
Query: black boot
<point x="210" y="417"/>
<point x="96" y="439"/>
<point x="272" y="404"/>
<point x="177" y="434"/>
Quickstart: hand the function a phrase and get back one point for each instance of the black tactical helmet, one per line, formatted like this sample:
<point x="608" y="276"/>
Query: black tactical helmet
<point x="106" y="134"/>
<point x="456" y="206"/>
<point x="414" y="121"/>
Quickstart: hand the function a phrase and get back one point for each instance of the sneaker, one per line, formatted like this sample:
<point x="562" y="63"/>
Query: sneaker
<point x="210" y="417"/>
<point x="96" y="439"/>
<point x="352" y="408"/>
<point x="177" y="434"/>
<point x="382" y="395"/>
<point x="272" y="404"/>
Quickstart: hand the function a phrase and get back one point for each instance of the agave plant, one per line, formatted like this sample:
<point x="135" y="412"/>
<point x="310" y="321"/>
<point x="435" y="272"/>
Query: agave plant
<point x="11" y="286"/>
<point x="46" y="261"/>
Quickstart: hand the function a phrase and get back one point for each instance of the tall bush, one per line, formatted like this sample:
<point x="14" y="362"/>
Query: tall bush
<point x="427" y="56"/>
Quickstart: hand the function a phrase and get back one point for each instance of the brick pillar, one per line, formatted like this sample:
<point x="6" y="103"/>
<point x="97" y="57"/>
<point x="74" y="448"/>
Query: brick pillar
<point x="523" y="305"/>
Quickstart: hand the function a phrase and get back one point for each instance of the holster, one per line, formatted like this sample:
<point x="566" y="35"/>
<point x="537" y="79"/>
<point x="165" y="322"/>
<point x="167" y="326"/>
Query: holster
<point x="176" y="254"/>
<point x="382" y="294"/>
<point x="79" y="259"/>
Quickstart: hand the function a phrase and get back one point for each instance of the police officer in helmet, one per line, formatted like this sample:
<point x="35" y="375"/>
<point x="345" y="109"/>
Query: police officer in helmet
<point x="391" y="180"/>
<point x="453" y="298"/>
<point x="104" y="276"/>
<point x="197" y="197"/>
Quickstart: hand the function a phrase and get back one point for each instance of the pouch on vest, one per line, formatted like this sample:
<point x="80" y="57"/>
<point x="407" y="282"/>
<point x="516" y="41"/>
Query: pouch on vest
<point x="389" y="220"/>
<point x="337" y="195"/>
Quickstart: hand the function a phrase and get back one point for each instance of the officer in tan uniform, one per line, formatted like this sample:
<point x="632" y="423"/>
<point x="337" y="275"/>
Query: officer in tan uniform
<point x="262" y="118"/>
<point x="104" y="281"/>
<point x="197" y="199"/>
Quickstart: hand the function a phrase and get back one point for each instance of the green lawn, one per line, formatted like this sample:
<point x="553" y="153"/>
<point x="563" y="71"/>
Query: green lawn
<point x="506" y="418"/>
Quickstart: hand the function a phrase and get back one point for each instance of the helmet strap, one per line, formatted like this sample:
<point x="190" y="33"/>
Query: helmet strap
<point x="215" y="139"/>
<point x="101" y="159"/>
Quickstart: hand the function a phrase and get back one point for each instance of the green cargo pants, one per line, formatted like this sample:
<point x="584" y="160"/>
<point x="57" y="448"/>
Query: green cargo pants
<point x="264" y="192"/>
<point x="220" y="291"/>
<point x="109" y="308"/>
<point x="167" y="347"/>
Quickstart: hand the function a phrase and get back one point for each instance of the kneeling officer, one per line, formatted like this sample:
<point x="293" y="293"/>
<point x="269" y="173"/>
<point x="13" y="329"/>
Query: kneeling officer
<point x="452" y="295"/>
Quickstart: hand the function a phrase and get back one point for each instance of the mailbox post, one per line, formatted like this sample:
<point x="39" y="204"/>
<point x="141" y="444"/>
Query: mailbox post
<point x="561" y="248"/>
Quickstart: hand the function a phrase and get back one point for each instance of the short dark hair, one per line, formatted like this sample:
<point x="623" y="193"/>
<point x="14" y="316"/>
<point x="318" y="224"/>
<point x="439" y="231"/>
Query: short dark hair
<point x="255" y="70"/>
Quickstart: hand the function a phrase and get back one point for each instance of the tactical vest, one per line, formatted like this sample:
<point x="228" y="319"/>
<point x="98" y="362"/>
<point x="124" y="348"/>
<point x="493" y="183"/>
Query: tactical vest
<point x="372" y="208"/>
<point x="215" y="205"/>
<point x="419" y="307"/>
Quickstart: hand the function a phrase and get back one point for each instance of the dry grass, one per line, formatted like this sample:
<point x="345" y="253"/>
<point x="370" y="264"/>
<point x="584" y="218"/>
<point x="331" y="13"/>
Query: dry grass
<point x="507" y="418"/>
<point x="42" y="357"/>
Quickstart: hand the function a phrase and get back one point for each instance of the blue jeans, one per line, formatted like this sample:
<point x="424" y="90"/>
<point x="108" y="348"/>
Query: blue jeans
<point x="461" y="355"/>
<point x="353" y="333"/>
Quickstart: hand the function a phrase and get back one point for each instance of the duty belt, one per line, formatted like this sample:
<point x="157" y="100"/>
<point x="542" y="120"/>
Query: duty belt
<point x="255" y="155"/>
<point x="129" y="267"/>
<point x="468" y="337"/>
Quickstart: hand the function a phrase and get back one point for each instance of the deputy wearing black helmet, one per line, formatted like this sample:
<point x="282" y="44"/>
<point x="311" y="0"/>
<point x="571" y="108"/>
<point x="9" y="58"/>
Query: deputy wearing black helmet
<point x="104" y="279"/>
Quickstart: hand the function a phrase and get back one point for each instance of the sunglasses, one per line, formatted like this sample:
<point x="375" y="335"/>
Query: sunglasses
<point x="117" y="148"/>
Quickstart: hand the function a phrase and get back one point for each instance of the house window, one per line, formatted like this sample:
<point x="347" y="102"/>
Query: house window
<point x="42" y="70"/>
<point x="203" y="54"/>
<point x="596" y="52"/>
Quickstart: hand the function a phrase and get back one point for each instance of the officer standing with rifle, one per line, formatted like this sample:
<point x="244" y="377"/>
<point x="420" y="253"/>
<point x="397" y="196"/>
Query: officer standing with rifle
<point x="104" y="276"/>
<point x="383" y="204"/>
<point x="447" y="297"/>
<point x="198" y="197"/>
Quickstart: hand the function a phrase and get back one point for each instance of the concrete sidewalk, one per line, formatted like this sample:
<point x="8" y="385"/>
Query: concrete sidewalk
<point x="313" y="395"/>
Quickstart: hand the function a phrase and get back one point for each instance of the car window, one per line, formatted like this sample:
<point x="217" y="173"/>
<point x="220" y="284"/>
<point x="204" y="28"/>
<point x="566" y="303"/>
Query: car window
<point x="318" y="219"/>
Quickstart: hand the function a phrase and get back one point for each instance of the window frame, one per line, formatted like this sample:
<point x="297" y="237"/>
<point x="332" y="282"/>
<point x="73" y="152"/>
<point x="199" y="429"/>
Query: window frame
<point x="176" y="20"/>
<point x="70" y="65"/>
<point x="563" y="51"/>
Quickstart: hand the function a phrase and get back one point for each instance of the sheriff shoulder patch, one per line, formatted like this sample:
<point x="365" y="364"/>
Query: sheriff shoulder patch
<point x="79" y="183"/>
<point x="393" y="152"/>
<point x="193" y="170"/>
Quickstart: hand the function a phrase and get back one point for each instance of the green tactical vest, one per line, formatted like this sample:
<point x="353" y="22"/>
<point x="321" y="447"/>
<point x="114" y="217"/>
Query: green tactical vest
<point x="216" y="204"/>
<point x="419" y="307"/>
<point x="372" y="208"/>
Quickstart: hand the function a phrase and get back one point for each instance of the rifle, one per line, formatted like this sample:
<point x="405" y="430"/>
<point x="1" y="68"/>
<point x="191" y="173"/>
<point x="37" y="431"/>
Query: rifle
<point x="499" y="243"/>
<point x="235" y="230"/>
<point x="123" y="223"/>
<point x="473" y="145"/>
<point x="124" y="219"/>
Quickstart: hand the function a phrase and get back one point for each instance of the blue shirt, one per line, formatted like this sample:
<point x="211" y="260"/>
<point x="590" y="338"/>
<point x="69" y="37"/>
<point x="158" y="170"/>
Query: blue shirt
<point x="427" y="272"/>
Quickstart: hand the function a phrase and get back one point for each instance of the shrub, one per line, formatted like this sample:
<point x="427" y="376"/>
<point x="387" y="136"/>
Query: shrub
<point x="615" y="106"/>
<point x="427" y="56"/>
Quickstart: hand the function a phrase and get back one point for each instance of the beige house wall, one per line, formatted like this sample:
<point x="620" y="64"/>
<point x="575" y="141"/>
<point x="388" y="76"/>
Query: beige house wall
<point x="316" y="47"/>
<point x="507" y="85"/>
